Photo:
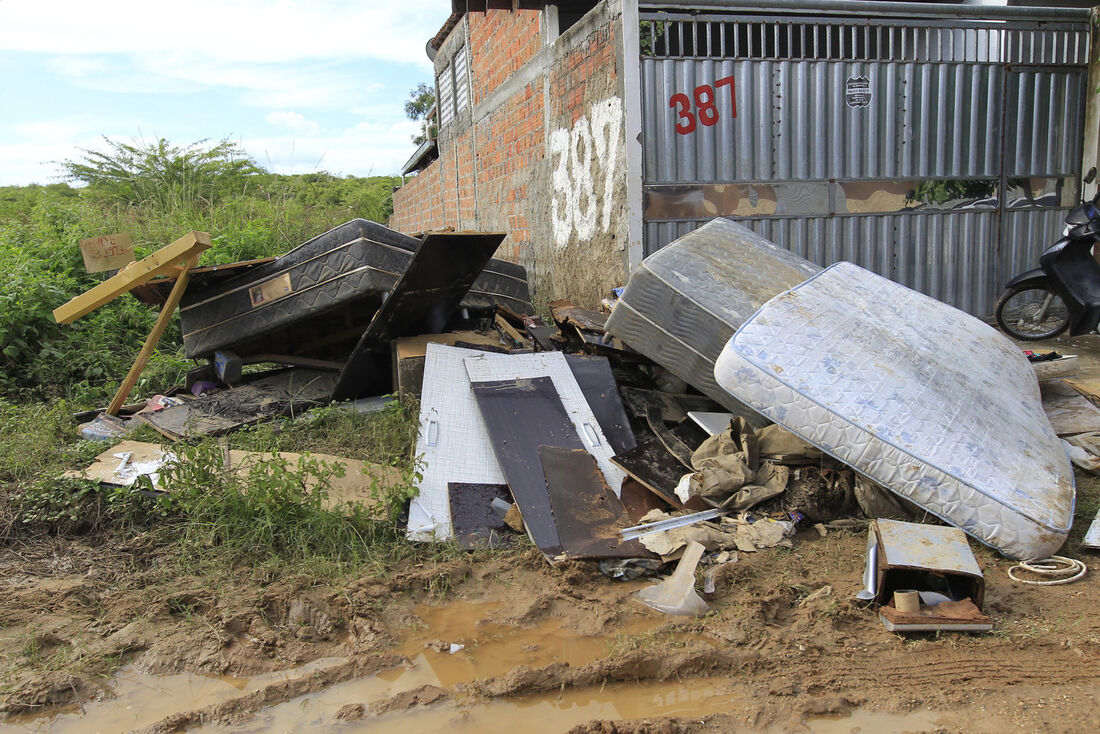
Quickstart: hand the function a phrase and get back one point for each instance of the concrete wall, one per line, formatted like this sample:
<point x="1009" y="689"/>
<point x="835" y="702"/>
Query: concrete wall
<point x="539" y="153"/>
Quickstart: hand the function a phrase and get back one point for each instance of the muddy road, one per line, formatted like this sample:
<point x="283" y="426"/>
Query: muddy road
<point x="95" y="637"/>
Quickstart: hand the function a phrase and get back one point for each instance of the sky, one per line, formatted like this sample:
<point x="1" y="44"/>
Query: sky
<point x="301" y="86"/>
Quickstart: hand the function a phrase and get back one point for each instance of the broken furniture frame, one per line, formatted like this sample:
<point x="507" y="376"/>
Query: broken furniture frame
<point x="178" y="258"/>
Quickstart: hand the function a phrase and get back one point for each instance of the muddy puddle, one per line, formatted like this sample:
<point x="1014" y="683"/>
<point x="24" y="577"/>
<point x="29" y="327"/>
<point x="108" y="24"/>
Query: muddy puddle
<point x="453" y="644"/>
<point x="134" y="700"/>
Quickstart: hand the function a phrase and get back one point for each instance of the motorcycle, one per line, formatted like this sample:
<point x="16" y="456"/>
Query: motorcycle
<point x="1064" y="291"/>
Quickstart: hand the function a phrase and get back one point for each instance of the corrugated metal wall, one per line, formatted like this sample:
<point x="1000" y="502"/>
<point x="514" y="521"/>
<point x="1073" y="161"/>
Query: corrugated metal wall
<point x="942" y="154"/>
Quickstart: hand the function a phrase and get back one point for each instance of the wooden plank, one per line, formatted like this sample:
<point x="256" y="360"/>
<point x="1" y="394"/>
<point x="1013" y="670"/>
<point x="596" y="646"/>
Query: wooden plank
<point x="672" y="444"/>
<point x="565" y="312"/>
<point x="1068" y="411"/>
<point x="544" y="337"/>
<point x="510" y="332"/>
<point x="522" y="415"/>
<point x="587" y="514"/>
<point x="160" y="262"/>
<point x="1056" y="368"/>
<point x="597" y="382"/>
<point x="422" y="302"/>
<point x="166" y="313"/>
<point x="674" y="406"/>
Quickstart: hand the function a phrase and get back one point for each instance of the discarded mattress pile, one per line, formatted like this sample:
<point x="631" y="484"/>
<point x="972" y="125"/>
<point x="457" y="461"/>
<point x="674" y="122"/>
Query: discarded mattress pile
<point x="870" y="372"/>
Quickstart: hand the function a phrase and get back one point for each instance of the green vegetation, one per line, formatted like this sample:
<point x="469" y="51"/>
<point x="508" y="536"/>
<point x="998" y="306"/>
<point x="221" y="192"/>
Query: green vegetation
<point x="156" y="192"/>
<point x="275" y="512"/>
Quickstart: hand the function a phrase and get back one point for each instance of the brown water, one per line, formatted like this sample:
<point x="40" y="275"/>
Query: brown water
<point x="139" y="700"/>
<point x="490" y="649"/>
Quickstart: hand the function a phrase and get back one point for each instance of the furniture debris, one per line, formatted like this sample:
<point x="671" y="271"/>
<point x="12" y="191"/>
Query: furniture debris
<point x="286" y="392"/>
<point x="178" y="258"/>
<point x="934" y="560"/>
<point x="441" y="272"/>
<point x="683" y="303"/>
<point x="868" y="371"/>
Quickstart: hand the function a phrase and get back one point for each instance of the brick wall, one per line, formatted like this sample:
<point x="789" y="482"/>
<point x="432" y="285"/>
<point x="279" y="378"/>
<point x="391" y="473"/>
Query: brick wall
<point x="542" y="160"/>
<point x="501" y="41"/>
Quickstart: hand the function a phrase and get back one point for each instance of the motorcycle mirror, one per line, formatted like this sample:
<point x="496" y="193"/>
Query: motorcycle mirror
<point x="1091" y="175"/>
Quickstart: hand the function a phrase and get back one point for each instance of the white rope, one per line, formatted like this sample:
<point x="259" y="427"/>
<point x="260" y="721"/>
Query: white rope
<point x="1056" y="570"/>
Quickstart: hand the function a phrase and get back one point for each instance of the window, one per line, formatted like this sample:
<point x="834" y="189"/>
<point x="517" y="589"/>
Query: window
<point x="453" y="87"/>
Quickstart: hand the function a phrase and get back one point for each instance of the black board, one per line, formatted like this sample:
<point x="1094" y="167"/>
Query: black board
<point x="474" y="521"/>
<point x="422" y="302"/>
<point x="651" y="463"/>
<point x="522" y="415"/>
<point x="587" y="514"/>
<point x="597" y="383"/>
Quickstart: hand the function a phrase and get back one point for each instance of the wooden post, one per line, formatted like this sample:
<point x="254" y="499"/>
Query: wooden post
<point x="154" y="336"/>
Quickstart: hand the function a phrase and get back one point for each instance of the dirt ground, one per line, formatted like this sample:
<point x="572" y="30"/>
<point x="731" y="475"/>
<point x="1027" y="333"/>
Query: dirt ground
<point x="785" y="644"/>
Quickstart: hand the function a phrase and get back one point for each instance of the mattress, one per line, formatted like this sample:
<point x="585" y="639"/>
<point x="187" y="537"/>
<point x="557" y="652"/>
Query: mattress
<point x="359" y="261"/>
<point x="918" y="396"/>
<point x="684" y="302"/>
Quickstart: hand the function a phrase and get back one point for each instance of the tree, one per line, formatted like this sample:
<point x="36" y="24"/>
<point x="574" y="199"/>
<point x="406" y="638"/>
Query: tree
<point x="170" y="175"/>
<point x="420" y="103"/>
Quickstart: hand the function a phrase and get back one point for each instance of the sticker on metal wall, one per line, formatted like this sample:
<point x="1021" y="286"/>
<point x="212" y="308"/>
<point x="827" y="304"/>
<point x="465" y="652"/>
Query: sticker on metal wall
<point x="857" y="91"/>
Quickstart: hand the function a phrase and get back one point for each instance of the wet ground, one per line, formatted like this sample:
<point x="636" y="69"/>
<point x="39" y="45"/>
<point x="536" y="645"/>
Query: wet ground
<point x="94" y="638"/>
<point x="449" y="646"/>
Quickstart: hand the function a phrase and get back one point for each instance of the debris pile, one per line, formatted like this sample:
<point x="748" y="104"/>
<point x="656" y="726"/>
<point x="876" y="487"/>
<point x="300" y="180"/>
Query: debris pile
<point x="729" y="395"/>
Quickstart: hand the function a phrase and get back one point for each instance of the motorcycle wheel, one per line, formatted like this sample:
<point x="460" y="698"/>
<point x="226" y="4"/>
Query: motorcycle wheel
<point x="1031" y="313"/>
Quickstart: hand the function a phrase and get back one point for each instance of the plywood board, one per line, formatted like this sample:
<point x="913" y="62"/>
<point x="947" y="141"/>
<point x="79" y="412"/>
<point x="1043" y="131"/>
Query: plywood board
<point x="597" y="382"/>
<point x="521" y="416"/>
<point x="587" y="514"/>
<point x="1069" y="412"/>
<point x="120" y="465"/>
<point x="653" y="466"/>
<point x="490" y="367"/>
<point x="452" y="442"/>
<point x="109" y="252"/>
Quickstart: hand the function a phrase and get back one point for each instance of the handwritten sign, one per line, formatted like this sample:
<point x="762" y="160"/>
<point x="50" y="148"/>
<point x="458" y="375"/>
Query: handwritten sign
<point x="109" y="252"/>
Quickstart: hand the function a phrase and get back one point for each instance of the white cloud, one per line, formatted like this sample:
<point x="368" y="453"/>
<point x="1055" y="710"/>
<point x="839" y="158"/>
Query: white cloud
<point x="231" y="30"/>
<point x="365" y="149"/>
<point x="78" y="67"/>
<point x="295" y="121"/>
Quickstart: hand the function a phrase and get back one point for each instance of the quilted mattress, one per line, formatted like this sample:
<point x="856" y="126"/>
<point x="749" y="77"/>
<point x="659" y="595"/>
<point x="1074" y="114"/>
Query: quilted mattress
<point x="359" y="260"/>
<point x="684" y="301"/>
<point x="920" y="397"/>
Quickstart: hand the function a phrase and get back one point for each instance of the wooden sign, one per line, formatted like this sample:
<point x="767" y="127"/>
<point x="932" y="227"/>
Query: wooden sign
<point x="109" y="252"/>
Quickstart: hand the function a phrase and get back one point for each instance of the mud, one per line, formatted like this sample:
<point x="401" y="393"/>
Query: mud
<point x="97" y="637"/>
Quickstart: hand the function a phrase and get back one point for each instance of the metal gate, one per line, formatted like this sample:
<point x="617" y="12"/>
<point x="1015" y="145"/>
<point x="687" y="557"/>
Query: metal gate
<point x="941" y="153"/>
